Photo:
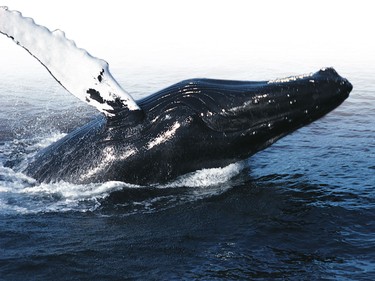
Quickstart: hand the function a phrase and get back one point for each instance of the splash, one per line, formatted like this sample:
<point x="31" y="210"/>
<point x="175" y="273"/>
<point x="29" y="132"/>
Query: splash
<point x="20" y="151"/>
<point x="20" y="194"/>
<point x="208" y="177"/>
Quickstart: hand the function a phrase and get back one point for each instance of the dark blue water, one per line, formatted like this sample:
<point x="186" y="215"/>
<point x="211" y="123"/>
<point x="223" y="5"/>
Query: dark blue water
<point x="304" y="209"/>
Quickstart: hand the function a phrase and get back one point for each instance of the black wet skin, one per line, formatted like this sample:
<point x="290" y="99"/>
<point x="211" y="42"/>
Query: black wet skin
<point x="194" y="124"/>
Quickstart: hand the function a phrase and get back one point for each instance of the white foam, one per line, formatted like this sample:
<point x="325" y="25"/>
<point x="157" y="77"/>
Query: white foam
<point x="11" y="180"/>
<point x="31" y="149"/>
<point x="21" y="194"/>
<point x="46" y="141"/>
<point x="72" y="192"/>
<point x="208" y="177"/>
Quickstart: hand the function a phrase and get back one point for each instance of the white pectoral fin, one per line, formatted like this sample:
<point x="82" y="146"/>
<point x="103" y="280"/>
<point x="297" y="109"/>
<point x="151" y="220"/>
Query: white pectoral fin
<point x="86" y="77"/>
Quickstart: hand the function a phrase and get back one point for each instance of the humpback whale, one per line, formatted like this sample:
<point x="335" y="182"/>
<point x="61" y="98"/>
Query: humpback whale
<point x="194" y="124"/>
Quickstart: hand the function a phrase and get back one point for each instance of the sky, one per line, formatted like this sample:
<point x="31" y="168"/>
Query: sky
<point x="220" y="32"/>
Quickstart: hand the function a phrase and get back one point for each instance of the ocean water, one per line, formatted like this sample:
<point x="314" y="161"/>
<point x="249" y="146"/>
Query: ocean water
<point x="303" y="209"/>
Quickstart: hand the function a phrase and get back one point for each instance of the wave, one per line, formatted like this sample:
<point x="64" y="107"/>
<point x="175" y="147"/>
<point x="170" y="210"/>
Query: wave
<point x="20" y="194"/>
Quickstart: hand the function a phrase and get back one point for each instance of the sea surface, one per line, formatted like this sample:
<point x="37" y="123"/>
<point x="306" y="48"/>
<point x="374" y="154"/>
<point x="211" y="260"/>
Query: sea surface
<point x="303" y="209"/>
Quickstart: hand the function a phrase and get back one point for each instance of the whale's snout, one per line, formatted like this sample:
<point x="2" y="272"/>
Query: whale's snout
<point x="343" y="86"/>
<point x="346" y="86"/>
<point x="329" y="91"/>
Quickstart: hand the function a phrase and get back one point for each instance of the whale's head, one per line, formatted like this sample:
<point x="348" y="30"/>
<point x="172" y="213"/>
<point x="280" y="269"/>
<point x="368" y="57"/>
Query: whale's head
<point x="214" y="122"/>
<point x="259" y="113"/>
